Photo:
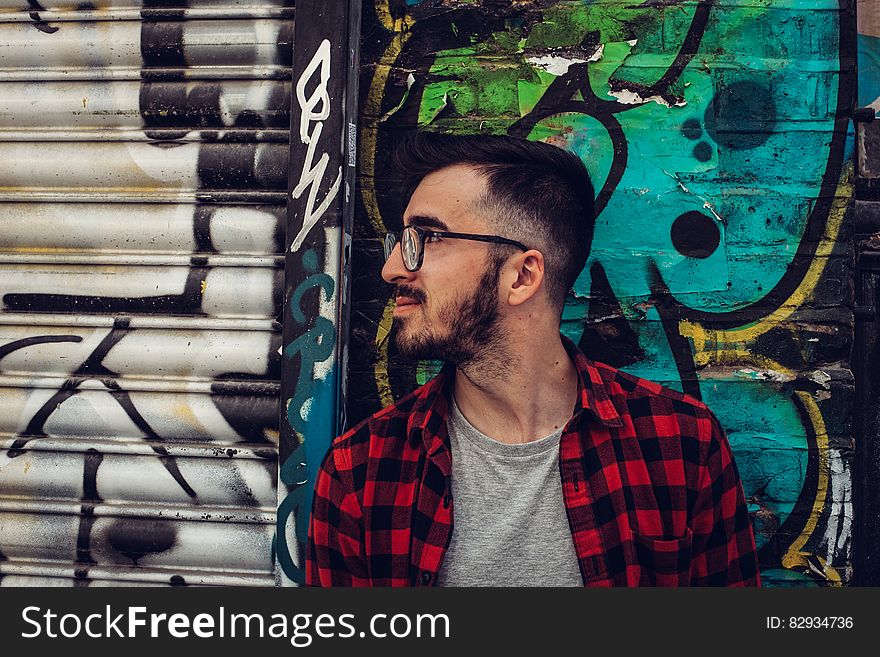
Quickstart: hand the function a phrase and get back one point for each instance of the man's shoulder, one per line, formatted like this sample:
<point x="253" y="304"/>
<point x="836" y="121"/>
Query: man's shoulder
<point x="386" y="429"/>
<point x="639" y="397"/>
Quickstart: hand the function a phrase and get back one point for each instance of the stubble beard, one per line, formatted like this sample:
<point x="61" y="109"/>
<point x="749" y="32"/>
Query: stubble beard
<point x="475" y="338"/>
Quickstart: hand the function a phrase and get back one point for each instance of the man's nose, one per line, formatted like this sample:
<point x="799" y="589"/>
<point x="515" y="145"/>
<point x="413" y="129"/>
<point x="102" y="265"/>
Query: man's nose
<point x="393" y="271"/>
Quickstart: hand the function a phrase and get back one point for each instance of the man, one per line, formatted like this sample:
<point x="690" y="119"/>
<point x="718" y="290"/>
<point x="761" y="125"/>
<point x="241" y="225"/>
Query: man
<point x="522" y="462"/>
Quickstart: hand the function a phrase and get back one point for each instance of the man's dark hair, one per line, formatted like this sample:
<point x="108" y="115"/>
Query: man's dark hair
<point x="537" y="194"/>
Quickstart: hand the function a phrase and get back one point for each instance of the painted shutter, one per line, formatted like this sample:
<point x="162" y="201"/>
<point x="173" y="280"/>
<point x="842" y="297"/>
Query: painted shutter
<point x="143" y="171"/>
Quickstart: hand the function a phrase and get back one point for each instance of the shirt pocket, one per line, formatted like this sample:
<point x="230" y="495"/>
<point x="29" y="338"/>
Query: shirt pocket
<point x="662" y="561"/>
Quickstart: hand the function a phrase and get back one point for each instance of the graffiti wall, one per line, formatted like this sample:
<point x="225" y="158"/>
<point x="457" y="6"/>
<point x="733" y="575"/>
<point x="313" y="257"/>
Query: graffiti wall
<point x="143" y="175"/>
<point x="717" y="135"/>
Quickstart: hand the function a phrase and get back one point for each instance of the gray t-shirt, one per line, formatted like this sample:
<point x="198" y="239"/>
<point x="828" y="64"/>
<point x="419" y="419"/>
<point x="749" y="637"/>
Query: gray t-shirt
<point x="510" y="527"/>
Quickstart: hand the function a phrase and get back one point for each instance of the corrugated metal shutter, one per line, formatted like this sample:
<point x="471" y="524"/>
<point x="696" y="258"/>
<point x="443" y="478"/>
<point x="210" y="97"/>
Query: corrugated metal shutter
<point x="143" y="170"/>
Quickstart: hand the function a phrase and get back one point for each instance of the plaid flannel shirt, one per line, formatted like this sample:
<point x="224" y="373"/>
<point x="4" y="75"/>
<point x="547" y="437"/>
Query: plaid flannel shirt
<point x="651" y="491"/>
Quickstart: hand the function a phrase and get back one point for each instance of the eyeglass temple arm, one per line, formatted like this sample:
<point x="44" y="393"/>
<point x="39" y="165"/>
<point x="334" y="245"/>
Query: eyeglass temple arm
<point x="478" y="238"/>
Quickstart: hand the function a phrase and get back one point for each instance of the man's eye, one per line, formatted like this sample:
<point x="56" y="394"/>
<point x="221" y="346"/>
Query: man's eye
<point x="433" y="237"/>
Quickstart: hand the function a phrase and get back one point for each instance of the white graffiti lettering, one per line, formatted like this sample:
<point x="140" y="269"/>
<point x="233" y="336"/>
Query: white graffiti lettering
<point x="312" y="175"/>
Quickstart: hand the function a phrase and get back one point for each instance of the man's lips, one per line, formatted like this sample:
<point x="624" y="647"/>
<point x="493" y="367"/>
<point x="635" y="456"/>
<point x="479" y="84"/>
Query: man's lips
<point x="406" y="301"/>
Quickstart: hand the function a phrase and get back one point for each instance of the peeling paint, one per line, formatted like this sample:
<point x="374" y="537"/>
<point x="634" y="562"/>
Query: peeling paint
<point x="438" y="110"/>
<point x="410" y="80"/>
<point x="765" y="375"/>
<point x="820" y="377"/>
<point x="629" y="97"/>
<point x="559" y="64"/>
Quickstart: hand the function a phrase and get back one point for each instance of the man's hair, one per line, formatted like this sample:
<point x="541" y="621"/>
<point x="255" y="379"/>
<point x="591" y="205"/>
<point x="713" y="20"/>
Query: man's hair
<point x="536" y="193"/>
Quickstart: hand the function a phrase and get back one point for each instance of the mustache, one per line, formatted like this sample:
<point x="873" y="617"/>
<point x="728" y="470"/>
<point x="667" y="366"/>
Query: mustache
<point x="411" y="292"/>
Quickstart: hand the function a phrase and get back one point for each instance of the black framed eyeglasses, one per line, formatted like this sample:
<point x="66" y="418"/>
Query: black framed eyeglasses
<point x="412" y="243"/>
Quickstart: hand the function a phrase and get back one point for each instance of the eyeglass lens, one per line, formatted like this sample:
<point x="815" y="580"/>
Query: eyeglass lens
<point x="409" y="246"/>
<point x="390" y="241"/>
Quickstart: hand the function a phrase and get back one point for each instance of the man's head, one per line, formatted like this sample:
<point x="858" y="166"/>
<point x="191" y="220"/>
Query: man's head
<point x="530" y="193"/>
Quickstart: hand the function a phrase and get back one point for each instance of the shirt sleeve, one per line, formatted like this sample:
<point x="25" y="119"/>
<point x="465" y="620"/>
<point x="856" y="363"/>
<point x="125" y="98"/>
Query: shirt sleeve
<point x="334" y="554"/>
<point x="724" y="551"/>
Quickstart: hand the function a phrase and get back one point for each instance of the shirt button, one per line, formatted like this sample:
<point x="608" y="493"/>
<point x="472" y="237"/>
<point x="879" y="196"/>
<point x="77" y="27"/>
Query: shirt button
<point x="426" y="577"/>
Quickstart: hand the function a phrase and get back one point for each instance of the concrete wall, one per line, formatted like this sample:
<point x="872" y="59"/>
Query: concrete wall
<point x="716" y="133"/>
<point x="866" y="352"/>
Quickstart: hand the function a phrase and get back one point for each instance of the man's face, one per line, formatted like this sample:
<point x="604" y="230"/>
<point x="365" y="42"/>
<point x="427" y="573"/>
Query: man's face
<point x="449" y="308"/>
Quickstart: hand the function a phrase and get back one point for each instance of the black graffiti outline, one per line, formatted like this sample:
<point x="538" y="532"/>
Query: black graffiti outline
<point x="90" y="497"/>
<point x="604" y="310"/>
<point x="187" y="302"/>
<point x="558" y="96"/>
<point x="806" y="250"/>
<point x="683" y="57"/>
<point x="38" y="22"/>
<point x="558" y="100"/>
<point x="90" y="369"/>
<point x="670" y="308"/>
<point x="15" y="345"/>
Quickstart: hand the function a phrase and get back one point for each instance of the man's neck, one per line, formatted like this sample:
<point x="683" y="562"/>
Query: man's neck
<point x="532" y="397"/>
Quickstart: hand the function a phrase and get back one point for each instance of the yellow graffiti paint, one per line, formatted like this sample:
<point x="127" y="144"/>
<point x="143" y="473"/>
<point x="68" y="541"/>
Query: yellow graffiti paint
<point x="380" y="370"/>
<point x="373" y="105"/>
<point x="716" y="347"/>
<point x="794" y="555"/>
<point x="369" y="134"/>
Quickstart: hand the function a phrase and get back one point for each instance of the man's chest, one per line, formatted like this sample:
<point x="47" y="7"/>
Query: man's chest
<point x="621" y="509"/>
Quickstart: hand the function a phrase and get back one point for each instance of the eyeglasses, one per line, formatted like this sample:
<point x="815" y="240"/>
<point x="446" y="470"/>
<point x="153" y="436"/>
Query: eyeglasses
<point x="412" y="243"/>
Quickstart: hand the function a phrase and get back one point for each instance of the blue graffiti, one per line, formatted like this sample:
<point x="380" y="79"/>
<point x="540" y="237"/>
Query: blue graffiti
<point x="310" y="413"/>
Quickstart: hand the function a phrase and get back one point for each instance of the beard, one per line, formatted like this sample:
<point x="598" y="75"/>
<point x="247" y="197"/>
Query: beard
<point x="473" y="328"/>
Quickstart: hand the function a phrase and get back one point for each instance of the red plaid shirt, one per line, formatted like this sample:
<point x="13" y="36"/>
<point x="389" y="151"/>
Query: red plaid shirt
<point x="650" y="487"/>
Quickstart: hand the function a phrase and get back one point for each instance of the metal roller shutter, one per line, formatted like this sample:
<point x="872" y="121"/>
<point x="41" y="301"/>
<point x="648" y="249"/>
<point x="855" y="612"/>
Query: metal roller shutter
<point x="143" y="173"/>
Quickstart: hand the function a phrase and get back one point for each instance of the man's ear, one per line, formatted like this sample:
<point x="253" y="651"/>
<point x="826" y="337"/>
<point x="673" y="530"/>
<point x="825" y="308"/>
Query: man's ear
<point x="525" y="277"/>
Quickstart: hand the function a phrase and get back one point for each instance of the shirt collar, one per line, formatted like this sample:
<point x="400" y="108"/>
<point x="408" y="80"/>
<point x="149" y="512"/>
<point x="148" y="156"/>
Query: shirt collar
<point x="592" y="393"/>
<point x="432" y="405"/>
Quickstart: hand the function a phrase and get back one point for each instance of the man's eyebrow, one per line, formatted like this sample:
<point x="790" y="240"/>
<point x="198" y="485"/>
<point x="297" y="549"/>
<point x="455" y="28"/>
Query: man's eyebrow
<point x="424" y="221"/>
